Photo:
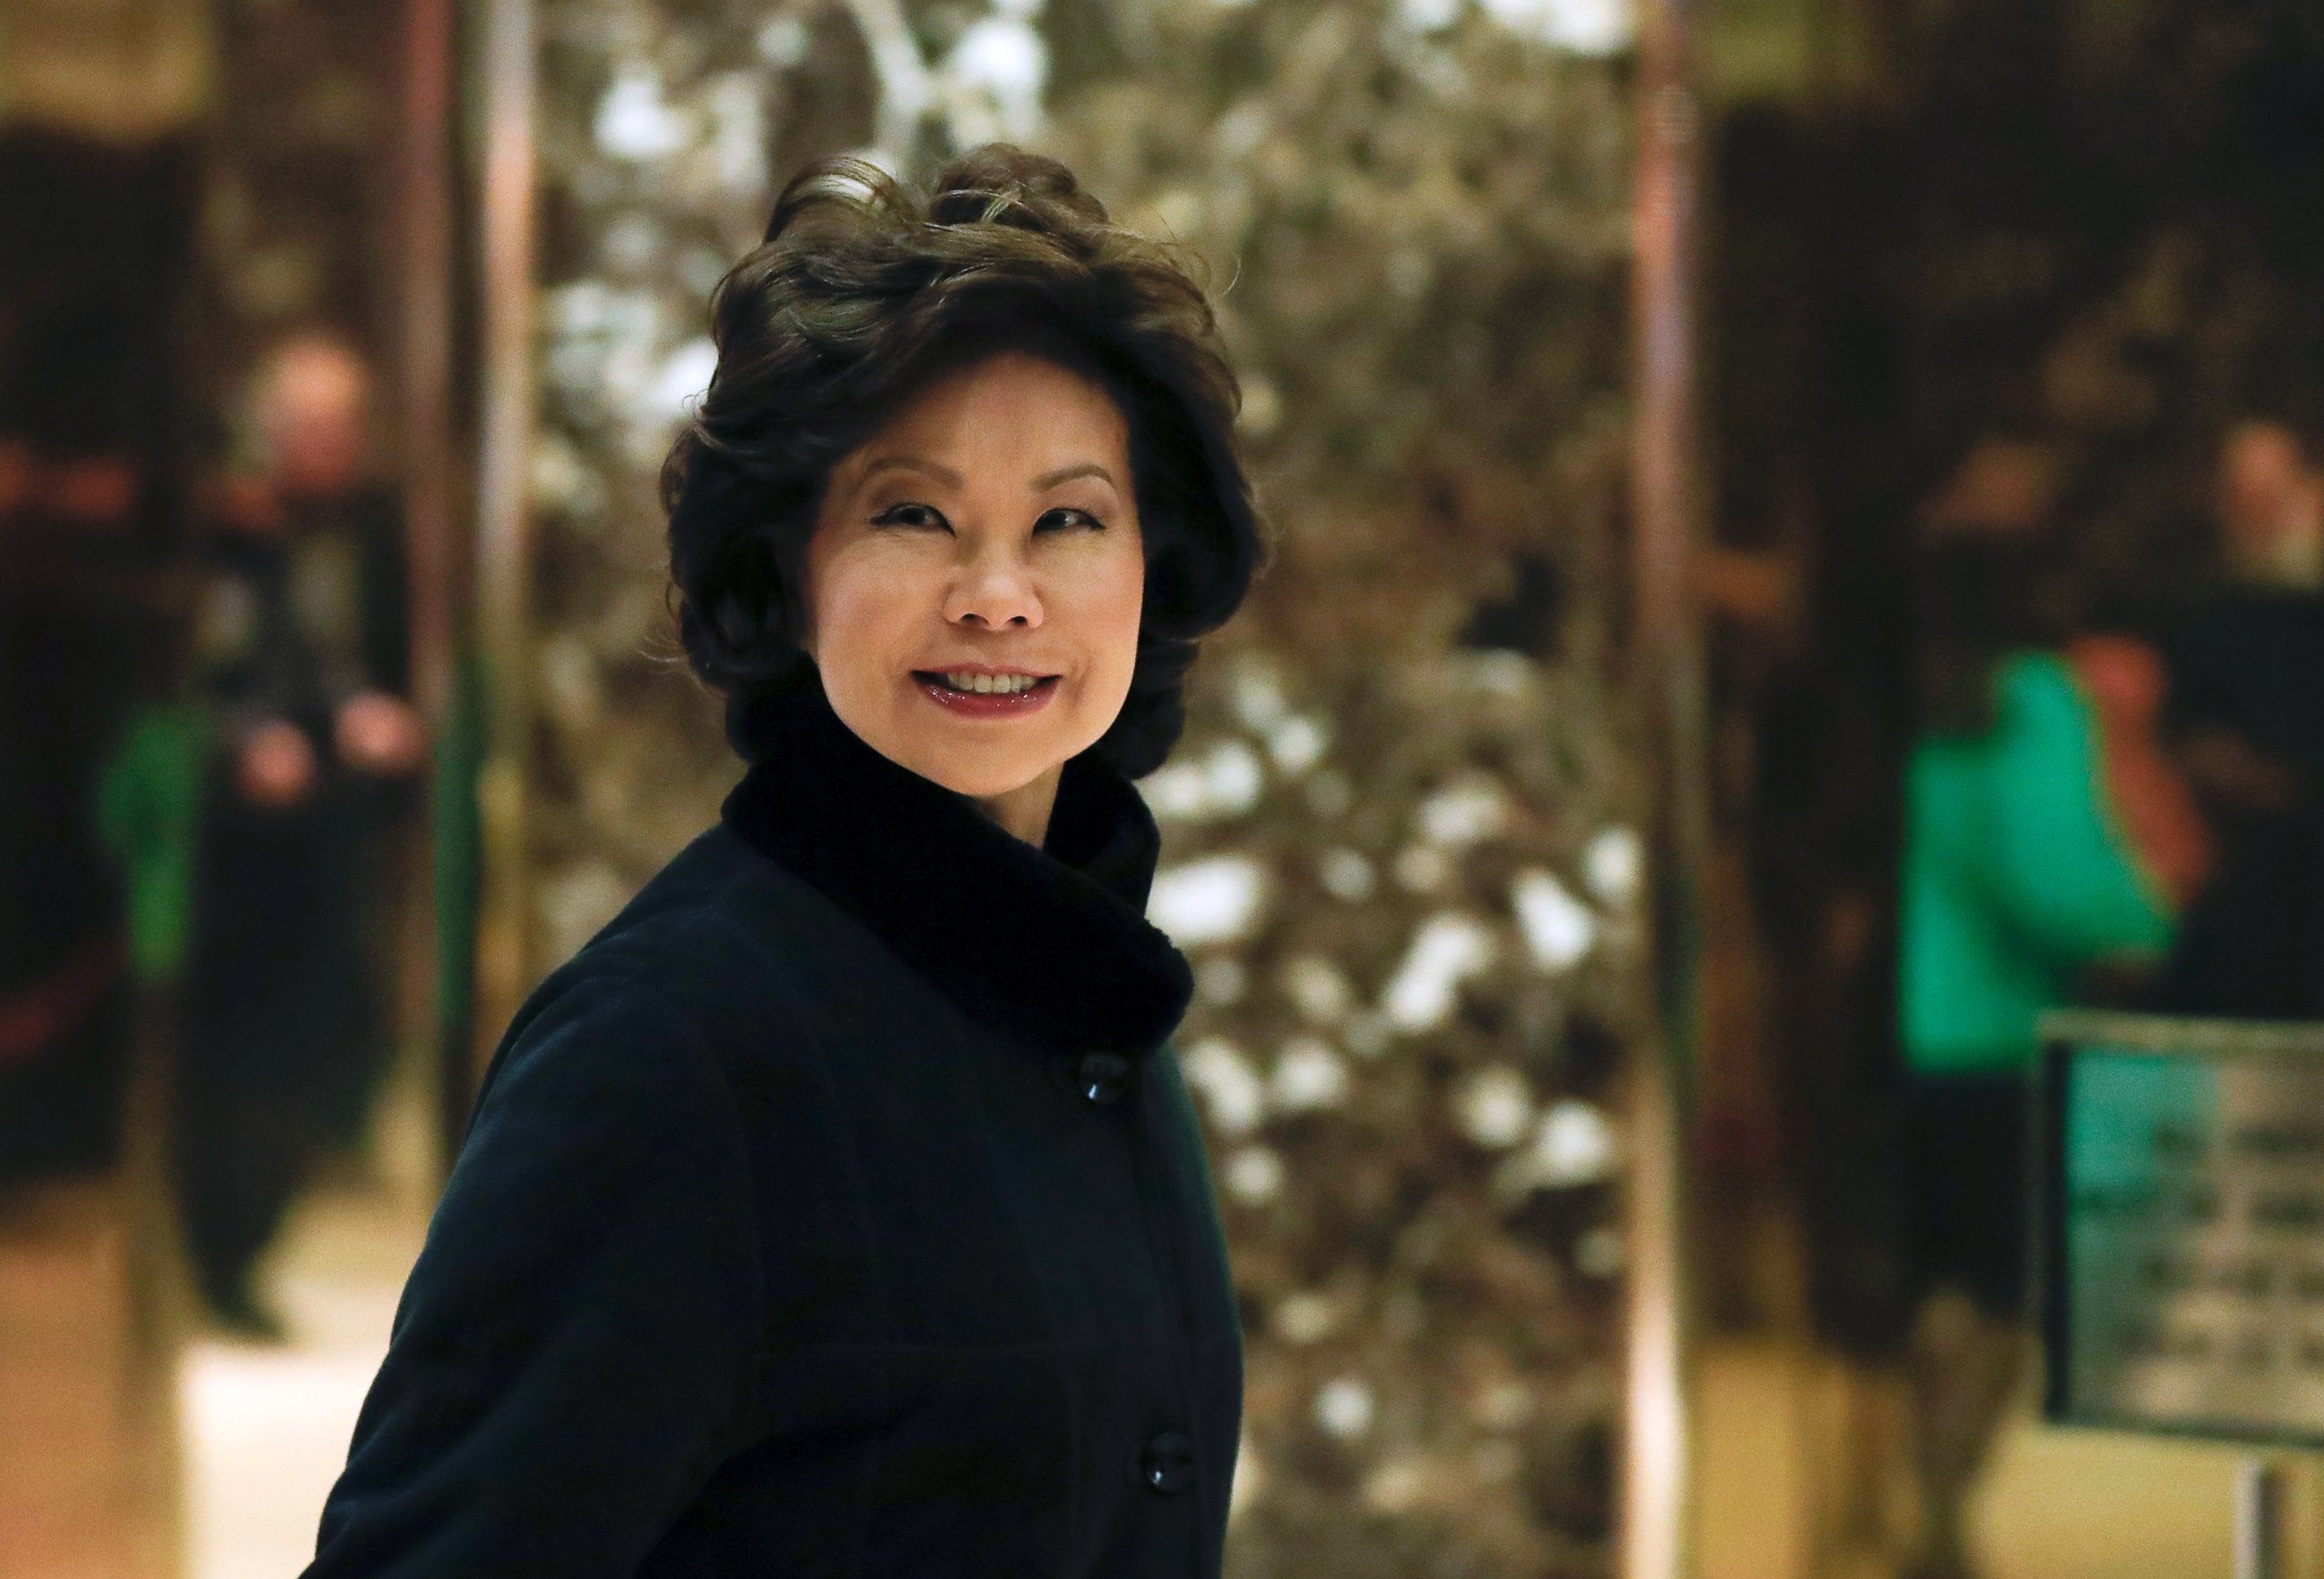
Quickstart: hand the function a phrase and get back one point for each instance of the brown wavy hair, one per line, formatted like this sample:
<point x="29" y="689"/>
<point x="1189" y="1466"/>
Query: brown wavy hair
<point x="865" y="289"/>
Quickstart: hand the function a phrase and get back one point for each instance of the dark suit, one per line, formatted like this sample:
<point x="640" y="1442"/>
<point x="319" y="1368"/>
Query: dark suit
<point x="766" y="1256"/>
<point x="2252" y="944"/>
<point x="286" y="1022"/>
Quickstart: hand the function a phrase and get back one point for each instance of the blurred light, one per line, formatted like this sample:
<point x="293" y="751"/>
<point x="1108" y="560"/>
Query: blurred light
<point x="1250" y="1479"/>
<point x="1256" y="694"/>
<point x="1347" y="874"/>
<point x="1612" y="865"/>
<point x="684" y="376"/>
<point x="1575" y="1145"/>
<point x="1211" y="901"/>
<point x="1235" y="135"/>
<point x="1586" y="27"/>
<point x="1318" y="989"/>
<point x="1176" y="792"/>
<point x="1496" y="1107"/>
<point x="1227" y="780"/>
<point x="1254" y="1175"/>
<point x="994" y="79"/>
<point x="1447" y="950"/>
<point x="1559" y="929"/>
<point x="782" y="43"/>
<point x="603" y="344"/>
<point x="635" y="122"/>
<point x="1179" y="212"/>
<point x="1308" y="1074"/>
<point x="1230" y="1088"/>
<point x="738" y="133"/>
<point x="1429" y="15"/>
<point x="1305" y="1318"/>
<point x="1234" y="778"/>
<point x="1262" y="407"/>
<point x="1297" y="744"/>
<point x="1007" y="59"/>
<point x="1344" y="1407"/>
<point x="1463" y="813"/>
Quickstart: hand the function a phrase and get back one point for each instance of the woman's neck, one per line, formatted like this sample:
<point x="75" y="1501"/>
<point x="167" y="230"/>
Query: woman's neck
<point x="1024" y="811"/>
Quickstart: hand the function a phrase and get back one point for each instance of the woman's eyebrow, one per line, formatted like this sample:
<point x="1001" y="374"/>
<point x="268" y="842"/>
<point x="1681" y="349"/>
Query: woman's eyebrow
<point x="1088" y="469"/>
<point x="941" y="474"/>
<point x="952" y="479"/>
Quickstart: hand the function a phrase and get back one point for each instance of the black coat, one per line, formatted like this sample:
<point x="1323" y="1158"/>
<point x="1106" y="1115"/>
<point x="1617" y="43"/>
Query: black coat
<point x="2252" y="944"/>
<point x="838" y="1211"/>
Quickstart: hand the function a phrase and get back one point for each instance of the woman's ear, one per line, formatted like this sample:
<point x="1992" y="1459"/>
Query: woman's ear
<point x="798" y="590"/>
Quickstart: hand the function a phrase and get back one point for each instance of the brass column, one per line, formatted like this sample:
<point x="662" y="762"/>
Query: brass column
<point x="1658" y="1469"/>
<point x="503" y="527"/>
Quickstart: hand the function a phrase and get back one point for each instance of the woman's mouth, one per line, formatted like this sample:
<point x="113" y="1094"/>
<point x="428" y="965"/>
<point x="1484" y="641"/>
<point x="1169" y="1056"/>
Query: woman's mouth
<point x="976" y="694"/>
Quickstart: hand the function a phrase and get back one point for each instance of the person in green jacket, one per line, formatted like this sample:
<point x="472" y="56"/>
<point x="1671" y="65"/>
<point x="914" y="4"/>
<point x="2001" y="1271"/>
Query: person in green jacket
<point x="2019" y="876"/>
<point x="2046" y="838"/>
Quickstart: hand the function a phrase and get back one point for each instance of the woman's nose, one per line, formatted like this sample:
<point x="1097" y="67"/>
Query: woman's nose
<point x="994" y="589"/>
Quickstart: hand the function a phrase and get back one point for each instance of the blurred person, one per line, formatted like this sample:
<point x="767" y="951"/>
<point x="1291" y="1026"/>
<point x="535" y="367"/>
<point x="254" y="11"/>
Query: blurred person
<point x="302" y="649"/>
<point x="2046" y="838"/>
<point x="841" y="1207"/>
<point x="2247" y="716"/>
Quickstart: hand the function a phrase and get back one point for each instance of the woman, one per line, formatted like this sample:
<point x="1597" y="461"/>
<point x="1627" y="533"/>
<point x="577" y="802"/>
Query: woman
<point x="839" y="1209"/>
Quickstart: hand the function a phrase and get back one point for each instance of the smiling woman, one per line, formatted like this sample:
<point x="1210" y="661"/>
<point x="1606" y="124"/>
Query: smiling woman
<point x="974" y="583"/>
<point x="839" y="1210"/>
<point x="850" y="346"/>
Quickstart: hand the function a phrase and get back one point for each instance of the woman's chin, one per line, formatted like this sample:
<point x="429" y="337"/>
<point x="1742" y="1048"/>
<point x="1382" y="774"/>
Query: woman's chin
<point x="986" y="780"/>
<point x="980" y="772"/>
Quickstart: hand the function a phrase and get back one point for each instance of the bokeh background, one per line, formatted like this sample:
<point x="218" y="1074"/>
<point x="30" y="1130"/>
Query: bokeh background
<point x="1610" y="366"/>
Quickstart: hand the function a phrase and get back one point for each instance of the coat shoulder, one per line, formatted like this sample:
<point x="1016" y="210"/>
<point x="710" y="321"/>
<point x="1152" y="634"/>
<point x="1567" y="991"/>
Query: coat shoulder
<point x="721" y="936"/>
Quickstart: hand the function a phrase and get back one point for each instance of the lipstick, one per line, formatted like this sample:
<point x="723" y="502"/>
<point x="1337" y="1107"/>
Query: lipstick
<point x="1012" y="693"/>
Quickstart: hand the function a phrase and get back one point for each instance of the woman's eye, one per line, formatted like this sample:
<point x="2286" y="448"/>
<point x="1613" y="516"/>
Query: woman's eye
<point x="1066" y="520"/>
<point x="908" y="515"/>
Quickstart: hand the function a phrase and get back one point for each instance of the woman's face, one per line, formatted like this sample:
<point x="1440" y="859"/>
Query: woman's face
<point x="975" y="576"/>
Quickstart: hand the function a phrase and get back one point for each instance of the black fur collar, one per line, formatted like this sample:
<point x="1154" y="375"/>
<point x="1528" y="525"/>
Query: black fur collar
<point x="1051" y="943"/>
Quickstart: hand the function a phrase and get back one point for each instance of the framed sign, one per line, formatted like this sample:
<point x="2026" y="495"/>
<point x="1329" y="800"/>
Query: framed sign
<point x="2182" y="1226"/>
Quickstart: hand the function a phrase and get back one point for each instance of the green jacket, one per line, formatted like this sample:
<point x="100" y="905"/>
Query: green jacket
<point x="2016" y="876"/>
<point x="149" y="814"/>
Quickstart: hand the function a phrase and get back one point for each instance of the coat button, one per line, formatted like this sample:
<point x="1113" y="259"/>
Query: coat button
<point x="1166" y="1464"/>
<point x="1102" y="1077"/>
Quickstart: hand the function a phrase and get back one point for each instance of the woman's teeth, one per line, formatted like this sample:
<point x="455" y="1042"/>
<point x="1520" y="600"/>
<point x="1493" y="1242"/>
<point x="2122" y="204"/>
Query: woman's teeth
<point x="1005" y="684"/>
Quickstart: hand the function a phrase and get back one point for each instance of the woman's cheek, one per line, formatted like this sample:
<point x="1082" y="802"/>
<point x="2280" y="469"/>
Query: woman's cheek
<point x="866" y="599"/>
<point x="1125" y="605"/>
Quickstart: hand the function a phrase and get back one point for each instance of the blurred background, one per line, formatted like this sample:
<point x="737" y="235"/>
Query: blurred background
<point x="1802" y="548"/>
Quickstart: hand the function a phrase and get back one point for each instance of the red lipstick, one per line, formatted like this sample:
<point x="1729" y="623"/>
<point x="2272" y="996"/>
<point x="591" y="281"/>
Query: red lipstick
<point x="936" y="685"/>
